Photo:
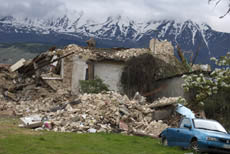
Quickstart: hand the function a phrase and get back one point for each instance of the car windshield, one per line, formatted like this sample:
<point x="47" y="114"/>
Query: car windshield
<point x="208" y="125"/>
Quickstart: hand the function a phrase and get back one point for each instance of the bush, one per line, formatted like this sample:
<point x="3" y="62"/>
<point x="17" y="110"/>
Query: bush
<point x="140" y="74"/>
<point x="93" y="86"/>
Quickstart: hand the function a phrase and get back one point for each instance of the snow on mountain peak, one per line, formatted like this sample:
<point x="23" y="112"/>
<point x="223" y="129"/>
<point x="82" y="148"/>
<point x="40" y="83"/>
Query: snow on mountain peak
<point x="112" y="31"/>
<point x="119" y="27"/>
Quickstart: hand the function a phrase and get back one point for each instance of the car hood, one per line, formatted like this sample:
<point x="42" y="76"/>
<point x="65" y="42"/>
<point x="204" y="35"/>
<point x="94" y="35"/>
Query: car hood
<point x="214" y="133"/>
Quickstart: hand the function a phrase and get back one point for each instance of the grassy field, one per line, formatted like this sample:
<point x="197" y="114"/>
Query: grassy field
<point x="14" y="140"/>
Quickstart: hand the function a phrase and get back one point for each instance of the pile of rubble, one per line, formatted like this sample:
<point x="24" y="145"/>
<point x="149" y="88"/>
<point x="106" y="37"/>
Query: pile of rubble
<point x="33" y="76"/>
<point x="103" y="112"/>
<point x="122" y="54"/>
<point x="26" y="91"/>
<point x="95" y="53"/>
<point x="14" y="87"/>
<point x="109" y="112"/>
<point x="41" y="106"/>
<point x="30" y="80"/>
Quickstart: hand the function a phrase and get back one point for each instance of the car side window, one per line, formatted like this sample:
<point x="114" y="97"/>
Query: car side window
<point x="185" y="121"/>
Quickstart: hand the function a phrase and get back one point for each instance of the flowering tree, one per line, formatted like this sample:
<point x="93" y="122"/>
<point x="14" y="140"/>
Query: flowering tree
<point x="209" y="85"/>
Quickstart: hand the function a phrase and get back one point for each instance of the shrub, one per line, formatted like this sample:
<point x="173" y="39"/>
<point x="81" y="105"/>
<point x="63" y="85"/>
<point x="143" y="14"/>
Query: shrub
<point x="93" y="86"/>
<point x="140" y="74"/>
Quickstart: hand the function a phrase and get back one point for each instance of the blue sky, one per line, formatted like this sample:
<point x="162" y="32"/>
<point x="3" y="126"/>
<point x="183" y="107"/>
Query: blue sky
<point x="198" y="10"/>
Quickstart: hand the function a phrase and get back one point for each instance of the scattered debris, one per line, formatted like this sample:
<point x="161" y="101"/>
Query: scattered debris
<point x="164" y="102"/>
<point x="139" y="98"/>
<point x="17" y="65"/>
<point x="48" y="125"/>
<point x="103" y="112"/>
<point x="32" y="121"/>
<point x="34" y="91"/>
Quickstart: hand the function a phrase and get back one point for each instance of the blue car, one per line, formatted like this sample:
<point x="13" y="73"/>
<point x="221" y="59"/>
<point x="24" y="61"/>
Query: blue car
<point x="200" y="135"/>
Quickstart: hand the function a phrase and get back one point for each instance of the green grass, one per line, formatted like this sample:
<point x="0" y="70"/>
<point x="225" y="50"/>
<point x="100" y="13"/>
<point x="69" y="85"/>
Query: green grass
<point x="15" y="140"/>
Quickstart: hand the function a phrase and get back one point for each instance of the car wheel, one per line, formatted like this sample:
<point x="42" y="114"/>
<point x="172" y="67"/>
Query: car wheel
<point x="194" y="147"/>
<point x="164" y="141"/>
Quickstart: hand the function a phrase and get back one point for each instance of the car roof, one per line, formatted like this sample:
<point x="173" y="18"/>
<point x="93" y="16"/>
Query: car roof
<point x="199" y="119"/>
<point x="204" y="119"/>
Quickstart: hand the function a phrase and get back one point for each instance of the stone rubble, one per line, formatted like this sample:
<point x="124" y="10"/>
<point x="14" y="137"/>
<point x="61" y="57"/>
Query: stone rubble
<point x="116" y="54"/>
<point x="164" y="48"/>
<point x="25" y="93"/>
<point x="103" y="112"/>
<point x="165" y="101"/>
<point x="24" y="80"/>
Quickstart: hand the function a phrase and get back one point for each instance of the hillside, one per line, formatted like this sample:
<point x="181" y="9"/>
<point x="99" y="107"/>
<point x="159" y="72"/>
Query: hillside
<point x="11" y="52"/>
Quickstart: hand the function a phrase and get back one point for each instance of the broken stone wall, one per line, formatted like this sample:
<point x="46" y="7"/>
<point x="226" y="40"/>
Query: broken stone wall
<point x="62" y="68"/>
<point x="78" y="73"/>
<point x="161" y="47"/>
<point x="110" y="73"/>
<point x="170" y="88"/>
<point x="67" y="71"/>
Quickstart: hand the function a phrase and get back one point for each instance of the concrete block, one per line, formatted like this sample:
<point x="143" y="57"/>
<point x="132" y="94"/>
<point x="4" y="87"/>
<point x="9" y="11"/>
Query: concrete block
<point x="17" y="65"/>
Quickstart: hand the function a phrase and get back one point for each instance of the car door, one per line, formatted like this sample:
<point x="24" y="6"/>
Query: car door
<point x="184" y="134"/>
<point x="172" y="136"/>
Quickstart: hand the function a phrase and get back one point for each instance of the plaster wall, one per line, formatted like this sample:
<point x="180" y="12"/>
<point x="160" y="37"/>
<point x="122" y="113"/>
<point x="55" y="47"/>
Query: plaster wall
<point x="110" y="73"/>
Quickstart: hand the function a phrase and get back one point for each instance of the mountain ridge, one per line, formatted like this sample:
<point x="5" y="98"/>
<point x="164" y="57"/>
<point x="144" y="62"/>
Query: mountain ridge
<point x="116" y="31"/>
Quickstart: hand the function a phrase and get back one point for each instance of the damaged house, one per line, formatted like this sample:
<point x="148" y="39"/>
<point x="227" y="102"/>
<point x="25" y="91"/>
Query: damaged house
<point x="44" y="86"/>
<point x="109" y="64"/>
<point x="75" y="63"/>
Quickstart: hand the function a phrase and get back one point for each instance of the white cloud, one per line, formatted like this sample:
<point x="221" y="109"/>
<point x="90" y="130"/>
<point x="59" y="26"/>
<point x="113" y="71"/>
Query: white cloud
<point x="31" y="8"/>
<point x="197" y="10"/>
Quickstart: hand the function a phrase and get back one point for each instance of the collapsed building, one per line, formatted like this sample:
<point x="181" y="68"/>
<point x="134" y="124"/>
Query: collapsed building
<point x="83" y="63"/>
<point x="75" y="63"/>
<point x="48" y="85"/>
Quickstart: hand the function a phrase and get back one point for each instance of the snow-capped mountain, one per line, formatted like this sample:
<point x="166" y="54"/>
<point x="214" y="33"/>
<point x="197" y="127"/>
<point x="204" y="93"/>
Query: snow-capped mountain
<point x="113" y="28"/>
<point x="116" y="31"/>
